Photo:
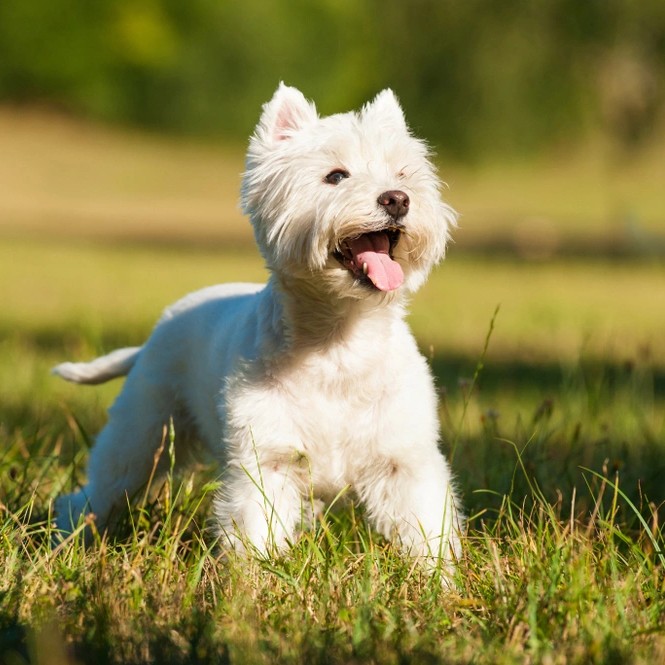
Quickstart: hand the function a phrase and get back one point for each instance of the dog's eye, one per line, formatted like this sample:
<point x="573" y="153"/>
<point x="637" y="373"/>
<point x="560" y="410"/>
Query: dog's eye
<point x="336" y="176"/>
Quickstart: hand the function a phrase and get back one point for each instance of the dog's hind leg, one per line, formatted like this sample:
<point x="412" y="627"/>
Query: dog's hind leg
<point x="123" y="457"/>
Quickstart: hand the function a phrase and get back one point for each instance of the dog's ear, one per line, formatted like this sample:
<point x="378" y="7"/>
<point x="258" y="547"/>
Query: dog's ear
<point x="286" y="113"/>
<point x="384" y="110"/>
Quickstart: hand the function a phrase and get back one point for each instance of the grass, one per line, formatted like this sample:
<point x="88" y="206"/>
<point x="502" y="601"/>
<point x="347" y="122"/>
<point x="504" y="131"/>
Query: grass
<point x="549" y="574"/>
<point x="558" y="443"/>
<point x="551" y="311"/>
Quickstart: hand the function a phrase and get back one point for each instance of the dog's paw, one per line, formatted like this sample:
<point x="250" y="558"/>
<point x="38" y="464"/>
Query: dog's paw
<point x="69" y="513"/>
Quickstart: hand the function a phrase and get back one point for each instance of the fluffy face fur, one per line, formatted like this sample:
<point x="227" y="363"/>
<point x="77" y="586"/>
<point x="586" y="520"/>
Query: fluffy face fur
<point x="291" y="152"/>
<point x="311" y="385"/>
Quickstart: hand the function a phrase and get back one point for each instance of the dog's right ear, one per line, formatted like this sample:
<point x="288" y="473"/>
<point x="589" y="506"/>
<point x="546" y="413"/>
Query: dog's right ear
<point x="287" y="112"/>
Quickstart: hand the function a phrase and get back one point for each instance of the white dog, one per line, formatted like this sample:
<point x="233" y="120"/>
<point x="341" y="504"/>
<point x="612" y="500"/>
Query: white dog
<point x="312" y="383"/>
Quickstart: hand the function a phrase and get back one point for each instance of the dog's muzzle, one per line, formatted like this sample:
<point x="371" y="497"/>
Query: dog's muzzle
<point x="369" y="258"/>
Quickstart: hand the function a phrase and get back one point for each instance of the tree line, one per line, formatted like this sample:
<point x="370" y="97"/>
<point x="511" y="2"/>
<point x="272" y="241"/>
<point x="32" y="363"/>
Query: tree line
<point x="476" y="76"/>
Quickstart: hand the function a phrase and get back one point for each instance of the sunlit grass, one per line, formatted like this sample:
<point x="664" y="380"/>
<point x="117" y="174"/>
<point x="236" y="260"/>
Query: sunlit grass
<point x="550" y="311"/>
<point x="586" y="191"/>
<point x="553" y="311"/>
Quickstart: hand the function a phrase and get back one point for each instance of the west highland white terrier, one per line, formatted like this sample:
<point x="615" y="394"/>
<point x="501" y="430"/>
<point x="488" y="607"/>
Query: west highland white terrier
<point x="311" y="384"/>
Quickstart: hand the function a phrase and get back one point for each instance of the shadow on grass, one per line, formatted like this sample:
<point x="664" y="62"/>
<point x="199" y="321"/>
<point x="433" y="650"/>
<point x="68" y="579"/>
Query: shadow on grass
<point x="516" y="375"/>
<point x="513" y="374"/>
<point x="545" y="430"/>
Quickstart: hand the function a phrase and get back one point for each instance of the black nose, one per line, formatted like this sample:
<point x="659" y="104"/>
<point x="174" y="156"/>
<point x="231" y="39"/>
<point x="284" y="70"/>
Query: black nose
<point x="395" y="202"/>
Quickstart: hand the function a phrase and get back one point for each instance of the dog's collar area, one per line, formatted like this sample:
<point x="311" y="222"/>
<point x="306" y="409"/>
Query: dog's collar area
<point x="369" y="258"/>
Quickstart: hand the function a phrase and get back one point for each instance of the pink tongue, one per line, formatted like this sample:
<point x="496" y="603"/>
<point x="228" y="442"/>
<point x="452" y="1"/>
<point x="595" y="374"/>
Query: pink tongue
<point x="373" y="249"/>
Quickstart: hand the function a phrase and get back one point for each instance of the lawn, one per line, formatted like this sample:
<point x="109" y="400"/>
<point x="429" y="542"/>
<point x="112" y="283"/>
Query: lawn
<point x="552" y="413"/>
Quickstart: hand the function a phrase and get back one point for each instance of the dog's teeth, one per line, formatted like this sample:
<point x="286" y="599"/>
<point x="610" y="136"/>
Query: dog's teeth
<point x="365" y="268"/>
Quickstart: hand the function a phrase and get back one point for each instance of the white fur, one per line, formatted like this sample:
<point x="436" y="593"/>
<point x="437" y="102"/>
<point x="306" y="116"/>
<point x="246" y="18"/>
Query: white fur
<point x="311" y="384"/>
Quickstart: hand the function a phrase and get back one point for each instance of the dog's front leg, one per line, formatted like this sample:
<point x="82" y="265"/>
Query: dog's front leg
<point x="262" y="504"/>
<point x="413" y="504"/>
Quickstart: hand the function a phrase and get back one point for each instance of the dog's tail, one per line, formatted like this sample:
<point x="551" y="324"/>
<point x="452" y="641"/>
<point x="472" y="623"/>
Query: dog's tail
<point x="115" y="364"/>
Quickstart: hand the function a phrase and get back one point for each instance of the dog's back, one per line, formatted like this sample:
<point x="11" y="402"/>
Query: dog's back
<point x="120" y="361"/>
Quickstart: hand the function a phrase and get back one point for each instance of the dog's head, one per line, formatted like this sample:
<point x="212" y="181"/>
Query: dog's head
<point x="351" y="200"/>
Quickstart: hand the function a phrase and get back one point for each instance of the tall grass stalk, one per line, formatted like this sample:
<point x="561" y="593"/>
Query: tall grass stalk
<point x="469" y="392"/>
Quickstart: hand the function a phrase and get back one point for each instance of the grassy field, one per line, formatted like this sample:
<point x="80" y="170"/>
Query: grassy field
<point x="556" y="431"/>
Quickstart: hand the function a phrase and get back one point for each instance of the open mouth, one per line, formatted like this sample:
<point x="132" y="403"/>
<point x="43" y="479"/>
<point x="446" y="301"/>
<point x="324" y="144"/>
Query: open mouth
<point x="369" y="258"/>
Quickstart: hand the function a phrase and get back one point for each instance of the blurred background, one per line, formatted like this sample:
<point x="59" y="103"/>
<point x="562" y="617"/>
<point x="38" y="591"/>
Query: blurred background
<point x="483" y="81"/>
<point x="574" y="89"/>
<point x="123" y="125"/>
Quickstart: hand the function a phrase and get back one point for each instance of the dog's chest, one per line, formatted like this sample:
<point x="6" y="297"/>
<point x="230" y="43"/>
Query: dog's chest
<point x="335" y="408"/>
<point x="338" y="403"/>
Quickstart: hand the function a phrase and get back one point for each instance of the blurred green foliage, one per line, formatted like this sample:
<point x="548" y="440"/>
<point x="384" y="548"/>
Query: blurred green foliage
<point x="477" y="76"/>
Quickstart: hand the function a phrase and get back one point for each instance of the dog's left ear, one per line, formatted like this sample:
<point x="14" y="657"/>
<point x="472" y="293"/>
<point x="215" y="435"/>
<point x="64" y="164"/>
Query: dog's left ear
<point x="385" y="110"/>
<point x="286" y="113"/>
